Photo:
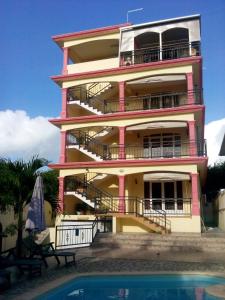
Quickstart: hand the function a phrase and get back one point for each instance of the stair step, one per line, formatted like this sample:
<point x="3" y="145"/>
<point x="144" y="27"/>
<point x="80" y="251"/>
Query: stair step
<point x="161" y="243"/>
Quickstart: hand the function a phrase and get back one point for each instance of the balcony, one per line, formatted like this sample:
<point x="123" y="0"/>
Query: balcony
<point x="169" y="147"/>
<point x="143" y="102"/>
<point x="153" y="54"/>
<point x="103" y="202"/>
<point x="155" y="101"/>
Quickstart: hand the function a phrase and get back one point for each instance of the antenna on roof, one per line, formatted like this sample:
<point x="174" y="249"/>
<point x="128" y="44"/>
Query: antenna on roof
<point x="133" y="10"/>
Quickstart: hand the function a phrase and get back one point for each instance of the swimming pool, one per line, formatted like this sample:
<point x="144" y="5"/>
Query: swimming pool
<point x="135" y="287"/>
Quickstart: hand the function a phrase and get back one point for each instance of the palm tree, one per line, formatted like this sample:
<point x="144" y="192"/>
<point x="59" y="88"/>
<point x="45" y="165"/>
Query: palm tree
<point x="17" y="180"/>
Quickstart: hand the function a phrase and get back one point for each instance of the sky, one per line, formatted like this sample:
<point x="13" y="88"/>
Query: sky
<point x="29" y="57"/>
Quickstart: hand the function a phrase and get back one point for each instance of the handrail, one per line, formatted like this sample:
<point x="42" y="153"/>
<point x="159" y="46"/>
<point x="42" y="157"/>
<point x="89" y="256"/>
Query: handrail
<point x="84" y="98"/>
<point x="151" y="101"/>
<point x="106" y="203"/>
<point x="100" y="197"/>
<point x="99" y="91"/>
<point x="150" y="150"/>
<point x="105" y="128"/>
<point x="89" y="142"/>
<point x="156" y="216"/>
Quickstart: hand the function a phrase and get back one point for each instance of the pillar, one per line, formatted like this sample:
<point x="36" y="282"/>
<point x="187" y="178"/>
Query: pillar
<point x="62" y="147"/>
<point x="122" y="131"/>
<point x="195" y="194"/>
<point x="65" y="60"/>
<point x="122" y="96"/>
<point x="122" y="204"/>
<point x="64" y="103"/>
<point x="190" y="89"/>
<point x="192" y="138"/>
<point x="160" y="47"/>
<point x="61" y="194"/>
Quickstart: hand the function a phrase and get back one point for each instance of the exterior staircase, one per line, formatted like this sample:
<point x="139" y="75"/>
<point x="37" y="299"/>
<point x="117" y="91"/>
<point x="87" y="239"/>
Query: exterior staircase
<point x="107" y="205"/>
<point x="90" y="97"/>
<point x="88" y="145"/>
<point x="173" y="243"/>
<point x="81" y="197"/>
<point x="98" y="177"/>
<point x="86" y="106"/>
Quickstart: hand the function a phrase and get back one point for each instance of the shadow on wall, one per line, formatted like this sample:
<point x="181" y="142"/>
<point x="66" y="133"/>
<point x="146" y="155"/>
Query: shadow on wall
<point x="8" y="218"/>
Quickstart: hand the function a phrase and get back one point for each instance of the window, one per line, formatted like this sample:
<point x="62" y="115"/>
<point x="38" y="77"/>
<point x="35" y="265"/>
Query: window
<point x="166" y="196"/>
<point x="162" y="145"/>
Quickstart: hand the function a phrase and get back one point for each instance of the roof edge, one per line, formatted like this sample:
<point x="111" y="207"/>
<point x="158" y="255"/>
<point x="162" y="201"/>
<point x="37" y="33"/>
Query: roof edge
<point x="165" y="21"/>
<point x="62" y="37"/>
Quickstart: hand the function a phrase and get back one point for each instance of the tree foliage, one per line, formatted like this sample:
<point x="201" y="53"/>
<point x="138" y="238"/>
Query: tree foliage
<point x="215" y="180"/>
<point x="17" y="179"/>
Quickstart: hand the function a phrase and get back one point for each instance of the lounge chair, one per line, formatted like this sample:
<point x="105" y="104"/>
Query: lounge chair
<point x="47" y="250"/>
<point x="8" y="259"/>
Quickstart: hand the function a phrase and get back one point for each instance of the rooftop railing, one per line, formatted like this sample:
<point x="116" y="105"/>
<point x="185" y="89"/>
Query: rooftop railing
<point x="166" y="52"/>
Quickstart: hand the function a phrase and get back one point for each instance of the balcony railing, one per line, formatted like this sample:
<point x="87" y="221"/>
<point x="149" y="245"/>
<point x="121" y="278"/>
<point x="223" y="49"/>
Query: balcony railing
<point x="166" y="52"/>
<point x="155" y="101"/>
<point x="166" y="149"/>
<point x="144" y="102"/>
<point x="172" y="206"/>
<point x="150" y="150"/>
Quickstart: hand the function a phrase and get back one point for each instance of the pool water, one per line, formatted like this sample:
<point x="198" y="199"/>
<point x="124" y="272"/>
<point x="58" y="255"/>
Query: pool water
<point x="138" y="287"/>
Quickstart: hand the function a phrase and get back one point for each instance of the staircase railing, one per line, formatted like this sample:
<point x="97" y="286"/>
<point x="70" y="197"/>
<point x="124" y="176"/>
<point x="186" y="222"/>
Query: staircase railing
<point x="105" y="203"/>
<point x="103" y="200"/>
<point x="97" y="88"/>
<point x="89" y="96"/>
<point x="83" y="139"/>
<point x="151" y="150"/>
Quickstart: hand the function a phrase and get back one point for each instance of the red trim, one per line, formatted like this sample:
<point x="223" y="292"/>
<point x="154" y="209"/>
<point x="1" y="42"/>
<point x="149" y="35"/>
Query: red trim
<point x="63" y="147"/>
<point x="128" y="115"/>
<point x="192" y="137"/>
<point x="130" y="163"/>
<point x="122" y="95"/>
<point x="190" y="87"/>
<point x="65" y="60"/>
<point x="122" y="131"/>
<point x="61" y="194"/>
<point x="195" y="195"/>
<point x="64" y="103"/>
<point x="127" y="69"/>
<point x="62" y="37"/>
<point x="121" y="193"/>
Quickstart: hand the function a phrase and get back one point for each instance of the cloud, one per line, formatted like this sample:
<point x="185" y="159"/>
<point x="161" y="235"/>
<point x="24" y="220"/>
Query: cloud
<point x="22" y="137"/>
<point x="214" y="133"/>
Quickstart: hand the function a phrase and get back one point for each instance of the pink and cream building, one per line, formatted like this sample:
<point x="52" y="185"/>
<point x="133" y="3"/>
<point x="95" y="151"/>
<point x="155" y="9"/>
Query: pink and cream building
<point x="132" y="126"/>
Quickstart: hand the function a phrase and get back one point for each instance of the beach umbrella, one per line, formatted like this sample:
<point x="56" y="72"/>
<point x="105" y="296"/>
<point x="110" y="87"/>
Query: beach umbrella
<point x="35" y="217"/>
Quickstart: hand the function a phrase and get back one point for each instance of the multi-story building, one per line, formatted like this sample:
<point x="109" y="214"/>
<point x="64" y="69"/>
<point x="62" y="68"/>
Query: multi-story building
<point x="132" y="125"/>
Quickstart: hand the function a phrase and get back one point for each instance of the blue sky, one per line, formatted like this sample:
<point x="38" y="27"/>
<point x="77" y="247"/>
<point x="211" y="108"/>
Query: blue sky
<point x="29" y="56"/>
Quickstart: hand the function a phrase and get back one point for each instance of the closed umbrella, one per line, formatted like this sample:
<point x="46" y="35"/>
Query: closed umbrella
<point x="35" y="217"/>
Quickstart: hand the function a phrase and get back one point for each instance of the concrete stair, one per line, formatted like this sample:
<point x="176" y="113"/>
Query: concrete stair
<point x="86" y="106"/>
<point x="194" y="243"/>
<point x="149" y="224"/>
<point x="86" y="152"/>
<point x="82" y="198"/>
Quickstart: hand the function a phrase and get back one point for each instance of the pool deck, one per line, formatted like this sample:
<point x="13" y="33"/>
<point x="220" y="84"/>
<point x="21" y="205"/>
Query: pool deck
<point x="111" y="261"/>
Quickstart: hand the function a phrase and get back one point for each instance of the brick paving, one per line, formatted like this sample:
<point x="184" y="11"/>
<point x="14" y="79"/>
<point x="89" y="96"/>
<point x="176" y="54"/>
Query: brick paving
<point x="91" y="261"/>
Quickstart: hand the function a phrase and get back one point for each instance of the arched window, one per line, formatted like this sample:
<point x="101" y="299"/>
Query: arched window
<point x="146" y="47"/>
<point x="175" y="43"/>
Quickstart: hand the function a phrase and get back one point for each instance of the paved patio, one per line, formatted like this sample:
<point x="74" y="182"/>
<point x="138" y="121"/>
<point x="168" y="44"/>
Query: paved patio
<point x="90" y="261"/>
